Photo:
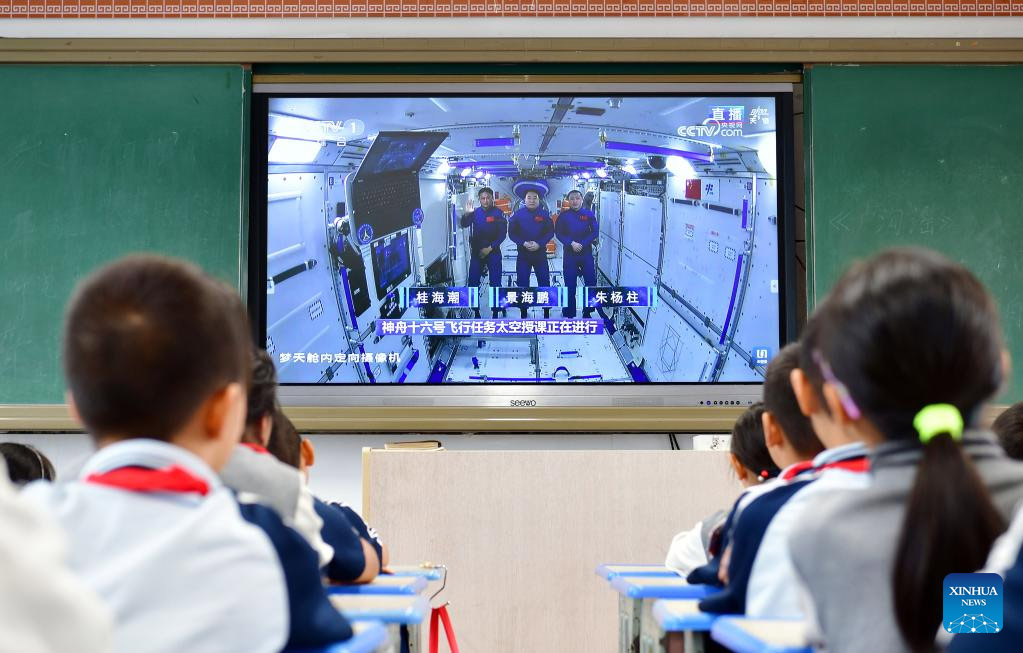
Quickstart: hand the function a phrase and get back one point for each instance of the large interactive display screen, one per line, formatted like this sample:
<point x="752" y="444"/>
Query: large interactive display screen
<point x="528" y="239"/>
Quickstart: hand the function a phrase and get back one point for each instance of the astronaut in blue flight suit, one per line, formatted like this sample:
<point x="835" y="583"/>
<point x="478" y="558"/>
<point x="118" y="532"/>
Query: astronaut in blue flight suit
<point x="577" y="229"/>
<point x="489" y="229"/>
<point x="531" y="228"/>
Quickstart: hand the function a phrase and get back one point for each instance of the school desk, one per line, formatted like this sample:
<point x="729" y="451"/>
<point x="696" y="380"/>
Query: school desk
<point x="394" y="610"/>
<point x="611" y="571"/>
<point x="367" y="637"/>
<point x="746" y="635"/>
<point x="677" y="625"/>
<point x="383" y="584"/>
<point x="636" y="595"/>
<point x="429" y="573"/>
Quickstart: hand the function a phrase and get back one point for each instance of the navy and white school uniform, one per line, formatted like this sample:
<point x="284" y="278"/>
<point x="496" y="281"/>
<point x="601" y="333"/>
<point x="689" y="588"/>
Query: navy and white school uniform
<point x="747" y="533"/>
<point x="365" y="531"/>
<point x="339" y="532"/>
<point x="844" y="549"/>
<point x="531" y="225"/>
<point x="313" y="622"/>
<point x="252" y="470"/>
<point x="264" y="487"/>
<point x="173" y="559"/>
<point x="580" y="227"/>
<point x="773" y="589"/>
<point x="708" y="574"/>
<point x="691" y="549"/>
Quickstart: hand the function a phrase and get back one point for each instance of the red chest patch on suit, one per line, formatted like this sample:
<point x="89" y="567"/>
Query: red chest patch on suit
<point x="538" y="218"/>
<point x="490" y="218"/>
<point x="584" y="218"/>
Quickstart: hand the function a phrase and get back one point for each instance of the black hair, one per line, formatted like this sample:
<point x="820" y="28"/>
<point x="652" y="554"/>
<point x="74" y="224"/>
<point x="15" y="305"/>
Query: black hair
<point x="809" y="342"/>
<point x="485" y="189"/>
<point x="748" y="444"/>
<point x="1009" y="428"/>
<point x="147" y="339"/>
<point x="25" y="463"/>
<point x="262" y="399"/>
<point x="903" y="330"/>
<point x="285" y="442"/>
<point x="574" y="190"/>
<point x="780" y="401"/>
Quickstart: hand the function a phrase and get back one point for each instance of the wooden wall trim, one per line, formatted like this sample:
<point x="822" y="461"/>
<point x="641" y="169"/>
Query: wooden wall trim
<point x="328" y="50"/>
<point x="443" y="419"/>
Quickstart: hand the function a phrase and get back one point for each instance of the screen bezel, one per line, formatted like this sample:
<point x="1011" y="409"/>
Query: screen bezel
<point x="496" y="394"/>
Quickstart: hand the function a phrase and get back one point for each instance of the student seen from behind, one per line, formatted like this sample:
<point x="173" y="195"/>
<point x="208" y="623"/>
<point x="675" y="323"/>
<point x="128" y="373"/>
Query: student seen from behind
<point x="772" y="589"/>
<point x="251" y="470"/>
<point x="792" y="444"/>
<point x="909" y="349"/>
<point x="752" y="465"/>
<point x="156" y="360"/>
<point x="359" y="555"/>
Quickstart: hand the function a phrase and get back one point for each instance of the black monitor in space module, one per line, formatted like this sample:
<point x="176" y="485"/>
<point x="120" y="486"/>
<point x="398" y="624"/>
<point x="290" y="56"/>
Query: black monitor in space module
<point x="385" y="190"/>
<point x="391" y="262"/>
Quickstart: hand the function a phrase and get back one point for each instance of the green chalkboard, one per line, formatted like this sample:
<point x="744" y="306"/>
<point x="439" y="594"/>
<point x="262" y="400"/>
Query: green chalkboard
<point x="99" y="161"/>
<point x="922" y="155"/>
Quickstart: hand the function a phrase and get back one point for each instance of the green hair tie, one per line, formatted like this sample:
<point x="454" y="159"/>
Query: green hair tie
<point x="937" y="419"/>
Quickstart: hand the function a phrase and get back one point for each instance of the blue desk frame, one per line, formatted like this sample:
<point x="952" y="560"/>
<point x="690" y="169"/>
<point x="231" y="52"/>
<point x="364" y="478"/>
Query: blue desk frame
<point x="368" y="637"/>
<point x="412" y="585"/>
<point x="612" y="570"/>
<point x="728" y="632"/>
<point x="636" y="597"/>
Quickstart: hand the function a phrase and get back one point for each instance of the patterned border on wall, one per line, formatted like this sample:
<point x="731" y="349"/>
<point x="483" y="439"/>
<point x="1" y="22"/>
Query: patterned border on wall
<point x="467" y="8"/>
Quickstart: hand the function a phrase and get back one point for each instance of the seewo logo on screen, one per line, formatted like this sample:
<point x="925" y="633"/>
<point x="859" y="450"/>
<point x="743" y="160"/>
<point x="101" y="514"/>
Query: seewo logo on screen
<point x="973" y="603"/>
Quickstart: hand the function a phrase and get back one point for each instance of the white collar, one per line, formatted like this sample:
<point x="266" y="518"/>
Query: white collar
<point x="148" y="453"/>
<point x="843" y="452"/>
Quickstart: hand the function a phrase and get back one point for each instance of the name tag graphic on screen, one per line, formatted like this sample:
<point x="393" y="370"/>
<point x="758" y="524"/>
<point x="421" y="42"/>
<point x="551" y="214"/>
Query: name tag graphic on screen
<point x="443" y="296"/>
<point x="525" y="297"/>
<point x="620" y="296"/>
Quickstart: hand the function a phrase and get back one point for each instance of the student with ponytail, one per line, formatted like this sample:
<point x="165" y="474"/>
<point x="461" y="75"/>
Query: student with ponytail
<point x="908" y="350"/>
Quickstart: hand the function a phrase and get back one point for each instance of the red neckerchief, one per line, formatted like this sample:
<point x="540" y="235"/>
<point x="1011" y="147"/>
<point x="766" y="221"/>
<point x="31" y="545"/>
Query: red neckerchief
<point x="142" y="479"/>
<point x="857" y="464"/>
<point x="796" y="470"/>
<point x="255" y="447"/>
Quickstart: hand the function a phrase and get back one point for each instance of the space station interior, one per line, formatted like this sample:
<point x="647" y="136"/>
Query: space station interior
<point x="370" y="236"/>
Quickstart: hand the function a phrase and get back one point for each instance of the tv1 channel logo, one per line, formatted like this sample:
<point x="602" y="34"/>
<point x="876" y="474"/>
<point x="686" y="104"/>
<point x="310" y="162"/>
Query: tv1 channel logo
<point x="973" y="603"/>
